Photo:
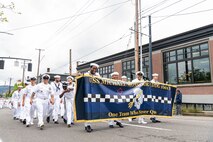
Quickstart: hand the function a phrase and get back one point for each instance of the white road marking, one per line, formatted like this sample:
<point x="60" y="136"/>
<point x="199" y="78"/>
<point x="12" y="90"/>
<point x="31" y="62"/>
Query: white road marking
<point x="147" y="127"/>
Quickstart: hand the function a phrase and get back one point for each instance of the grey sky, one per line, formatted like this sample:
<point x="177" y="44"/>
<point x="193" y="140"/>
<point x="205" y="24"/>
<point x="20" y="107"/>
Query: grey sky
<point x="86" y="32"/>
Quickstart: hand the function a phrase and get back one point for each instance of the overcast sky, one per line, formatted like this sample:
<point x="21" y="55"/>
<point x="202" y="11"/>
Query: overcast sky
<point x="88" y="32"/>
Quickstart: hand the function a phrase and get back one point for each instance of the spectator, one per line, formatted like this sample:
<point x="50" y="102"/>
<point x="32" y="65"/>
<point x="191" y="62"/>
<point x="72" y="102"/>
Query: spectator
<point x="178" y="102"/>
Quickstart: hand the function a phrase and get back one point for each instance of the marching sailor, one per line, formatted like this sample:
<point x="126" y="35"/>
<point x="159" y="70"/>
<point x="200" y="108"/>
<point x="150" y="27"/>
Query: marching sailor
<point x="57" y="89"/>
<point x="115" y="76"/>
<point x="44" y="94"/>
<point x="154" y="80"/>
<point x="68" y="93"/>
<point x="29" y="109"/>
<point x="15" y="103"/>
<point x="92" y="72"/>
<point x="139" y="78"/>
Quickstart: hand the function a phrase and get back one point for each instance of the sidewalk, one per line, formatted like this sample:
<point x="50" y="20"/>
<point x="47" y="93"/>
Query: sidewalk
<point x="203" y="113"/>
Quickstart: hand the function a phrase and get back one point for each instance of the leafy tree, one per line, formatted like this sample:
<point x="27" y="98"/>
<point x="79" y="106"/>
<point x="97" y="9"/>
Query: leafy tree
<point x="3" y="7"/>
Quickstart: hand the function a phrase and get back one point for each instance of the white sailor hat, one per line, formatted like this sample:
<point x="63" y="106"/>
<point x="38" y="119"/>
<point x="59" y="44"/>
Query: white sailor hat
<point x="94" y="64"/>
<point x="139" y="72"/>
<point x="57" y="76"/>
<point x="154" y="74"/>
<point x="27" y="83"/>
<point x="114" y="73"/>
<point x="20" y="86"/>
<point x="70" y="77"/>
<point x="123" y="77"/>
<point x="45" y="76"/>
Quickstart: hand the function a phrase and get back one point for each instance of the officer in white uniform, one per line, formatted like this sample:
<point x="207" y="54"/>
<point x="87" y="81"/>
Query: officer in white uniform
<point x="92" y="72"/>
<point x="154" y="80"/>
<point x="139" y="78"/>
<point x="15" y="103"/>
<point x="57" y="89"/>
<point x="124" y="78"/>
<point x="44" y="95"/>
<point x="68" y="93"/>
<point x="29" y="109"/>
<point x="115" y="76"/>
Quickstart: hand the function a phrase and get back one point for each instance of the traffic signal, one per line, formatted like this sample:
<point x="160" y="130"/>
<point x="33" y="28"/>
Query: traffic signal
<point x="29" y="68"/>
<point x="1" y="64"/>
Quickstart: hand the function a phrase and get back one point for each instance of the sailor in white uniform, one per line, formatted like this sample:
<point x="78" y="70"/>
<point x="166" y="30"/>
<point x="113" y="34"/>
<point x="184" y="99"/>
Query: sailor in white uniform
<point x="68" y="93"/>
<point x="139" y="78"/>
<point x="57" y="88"/>
<point x="15" y="103"/>
<point x="154" y="80"/>
<point x="29" y="109"/>
<point x="92" y="72"/>
<point x="44" y="95"/>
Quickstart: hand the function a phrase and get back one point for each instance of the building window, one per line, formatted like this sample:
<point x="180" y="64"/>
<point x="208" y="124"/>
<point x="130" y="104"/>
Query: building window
<point x="187" y="65"/>
<point x="128" y="69"/>
<point x="106" y="71"/>
<point x="146" y="66"/>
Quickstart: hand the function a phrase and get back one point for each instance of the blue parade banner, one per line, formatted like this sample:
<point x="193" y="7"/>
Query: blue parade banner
<point x="100" y="99"/>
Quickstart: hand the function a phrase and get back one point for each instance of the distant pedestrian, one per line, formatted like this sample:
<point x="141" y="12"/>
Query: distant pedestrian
<point x="178" y="102"/>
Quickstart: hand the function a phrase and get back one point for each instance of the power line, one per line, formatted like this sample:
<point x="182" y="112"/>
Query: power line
<point x="176" y="13"/>
<point x="64" y="18"/>
<point x="189" y="13"/>
<point x="153" y="7"/>
<point x="166" y="7"/>
<point x="95" y="50"/>
<point x="93" y="24"/>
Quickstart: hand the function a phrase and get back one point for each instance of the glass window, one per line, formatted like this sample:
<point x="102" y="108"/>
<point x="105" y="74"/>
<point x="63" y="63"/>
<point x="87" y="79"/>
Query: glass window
<point x="195" y="51"/>
<point x="172" y="56"/>
<point x="201" y="70"/>
<point x="172" y="73"/>
<point x="180" y="54"/>
<point x="192" y="65"/>
<point x="184" y="72"/>
<point x="128" y="65"/>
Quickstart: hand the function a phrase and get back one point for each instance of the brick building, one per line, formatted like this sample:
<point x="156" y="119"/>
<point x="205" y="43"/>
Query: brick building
<point x="184" y="60"/>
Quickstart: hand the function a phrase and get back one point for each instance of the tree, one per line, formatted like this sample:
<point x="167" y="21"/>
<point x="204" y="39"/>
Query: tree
<point x="3" y="7"/>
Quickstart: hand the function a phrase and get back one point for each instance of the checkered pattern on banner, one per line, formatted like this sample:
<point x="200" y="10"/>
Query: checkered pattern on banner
<point x="124" y="98"/>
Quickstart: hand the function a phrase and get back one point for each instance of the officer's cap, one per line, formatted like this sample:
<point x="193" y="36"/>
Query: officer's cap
<point x="46" y="76"/>
<point x="94" y="64"/>
<point x="114" y="73"/>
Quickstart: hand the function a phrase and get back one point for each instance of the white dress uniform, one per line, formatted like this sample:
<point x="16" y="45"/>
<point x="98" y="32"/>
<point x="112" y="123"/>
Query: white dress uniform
<point x="69" y="103"/>
<point x="22" y="108"/>
<point x="29" y="109"/>
<point x="15" y="99"/>
<point x="43" y="93"/>
<point x="57" y="89"/>
<point x="140" y="119"/>
<point x="98" y="75"/>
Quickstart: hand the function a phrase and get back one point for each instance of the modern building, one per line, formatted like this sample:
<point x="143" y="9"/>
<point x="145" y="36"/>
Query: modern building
<point x="185" y="60"/>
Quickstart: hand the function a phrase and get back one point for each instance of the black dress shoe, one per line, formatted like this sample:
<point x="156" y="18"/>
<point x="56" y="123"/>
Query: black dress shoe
<point x="56" y="122"/>
<point x="24" y="121"/>
<point x="119" y="124"/>
<point x="28" y="125"/>
<point x="53" y="120"/>
<point x="88" y="129"/>
<point x="14" y="118"/>
<point x="72" y="123"/>
<point x="68" y="125"/>
<point x="48" y="119"/>
<point x="111" y="126"/>
<point x="41" y="127"/>
<point x="65" y="121"/>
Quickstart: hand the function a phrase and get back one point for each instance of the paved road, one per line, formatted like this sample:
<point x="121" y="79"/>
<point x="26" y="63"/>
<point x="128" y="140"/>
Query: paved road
<point x="177" y="129"/>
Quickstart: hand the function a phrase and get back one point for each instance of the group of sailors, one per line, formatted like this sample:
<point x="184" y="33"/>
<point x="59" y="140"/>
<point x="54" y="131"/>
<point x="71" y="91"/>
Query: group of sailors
<point x="46" y="101"/>
<point x="115" y="76"/>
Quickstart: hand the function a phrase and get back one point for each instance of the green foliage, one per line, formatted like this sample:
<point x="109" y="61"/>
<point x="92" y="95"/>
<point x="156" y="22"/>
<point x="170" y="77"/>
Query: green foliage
<point x="3" y="7"/>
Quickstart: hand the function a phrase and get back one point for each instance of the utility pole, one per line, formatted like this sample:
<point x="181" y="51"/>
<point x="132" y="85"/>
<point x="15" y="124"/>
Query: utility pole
<point x="23" y="75"/>
<point x="39" y="60"/>
<point x="136" y="38"/>
<point x="70" y="59"/>
<point x="141" y="52"/>
<point x="150" y="48"/>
